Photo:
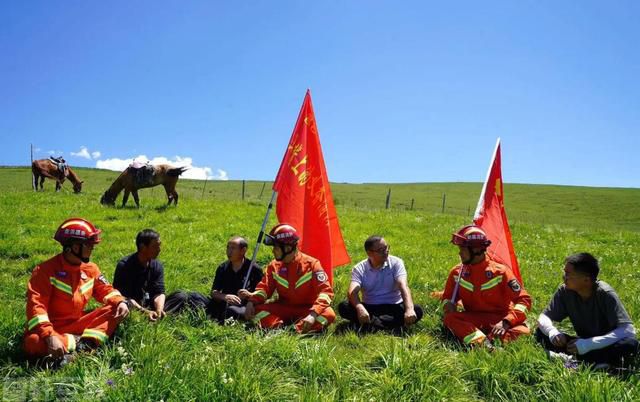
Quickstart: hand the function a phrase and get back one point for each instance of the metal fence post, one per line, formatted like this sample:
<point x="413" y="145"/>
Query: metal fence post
<point x="388" y="202"/>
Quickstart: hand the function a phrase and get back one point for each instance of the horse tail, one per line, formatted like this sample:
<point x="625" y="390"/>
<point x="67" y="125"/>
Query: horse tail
<point x="176" y="172"/>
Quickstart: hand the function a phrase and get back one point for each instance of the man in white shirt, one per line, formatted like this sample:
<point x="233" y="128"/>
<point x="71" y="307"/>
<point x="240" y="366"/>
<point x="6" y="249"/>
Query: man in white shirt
<point x="386" y="299"/>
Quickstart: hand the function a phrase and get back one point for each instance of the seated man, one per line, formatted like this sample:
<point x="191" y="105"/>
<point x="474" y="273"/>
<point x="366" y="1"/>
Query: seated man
<point x="58" y="292"/>
<point x="605" y="333"/>
<point x="304" y="292"/>
<point x="495" y="304"/>
<point x="382" y="278"/>
<point x="228" y="295"/>
<point x="140" y="276"/>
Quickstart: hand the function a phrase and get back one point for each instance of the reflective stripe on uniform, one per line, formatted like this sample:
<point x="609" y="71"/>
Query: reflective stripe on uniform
<point x="95" y="334"/>
<point x="474" y="336"/>
<point x="464" y="284"/>
<point x="521" y="307"/>
<point x="492" y="283"/>
<point x="110" y="295"/>
<point x="304" y="279"/>
<point x="260" y="316"/>
<point x="71" y="343"/>
<point x="86" y="287"/>
<point x="261" y="292"/>
<point x="325" y="297"/>
<point x="322" y="320"/>
<point x="280" y="280"/>
<point x="61" y="285"/>
<point x="37" y="320"/>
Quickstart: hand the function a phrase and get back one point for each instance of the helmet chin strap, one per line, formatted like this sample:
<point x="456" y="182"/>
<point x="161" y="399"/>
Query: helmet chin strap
<point x="284" y="254"/>
<point x="79" y="255"/>
<point x="473" y="255"/>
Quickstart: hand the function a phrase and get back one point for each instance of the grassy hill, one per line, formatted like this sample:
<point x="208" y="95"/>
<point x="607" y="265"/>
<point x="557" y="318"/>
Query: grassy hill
<point x="190" y="358"/>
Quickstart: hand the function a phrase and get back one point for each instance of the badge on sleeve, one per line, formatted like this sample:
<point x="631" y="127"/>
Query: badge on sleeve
<point x="514" y="285"/>
<point x="321" y="276"/>
<point x="83" y="276"/>
<point x="102" y="279"/>
<point x="61" y="274"/>
<point x="489" y="274"/>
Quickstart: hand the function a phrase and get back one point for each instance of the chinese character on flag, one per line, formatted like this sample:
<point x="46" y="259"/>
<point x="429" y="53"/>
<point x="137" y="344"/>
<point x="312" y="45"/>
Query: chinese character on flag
<point x="304" y="194"/>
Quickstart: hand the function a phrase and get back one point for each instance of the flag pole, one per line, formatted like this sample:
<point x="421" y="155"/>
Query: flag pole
<point x="260" y="235"/>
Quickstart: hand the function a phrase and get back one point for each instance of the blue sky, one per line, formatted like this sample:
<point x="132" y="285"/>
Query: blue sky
<point x="403" y="91"/>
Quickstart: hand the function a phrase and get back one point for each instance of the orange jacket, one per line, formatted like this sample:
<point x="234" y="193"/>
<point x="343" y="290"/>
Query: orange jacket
<point x="300" y="282"/>
<point x="59" y="291"/>
<point x="489" y="287"/>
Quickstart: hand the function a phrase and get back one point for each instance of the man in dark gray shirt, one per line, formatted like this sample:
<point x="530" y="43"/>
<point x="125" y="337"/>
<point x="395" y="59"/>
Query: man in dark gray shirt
<point x="605" y="333"/>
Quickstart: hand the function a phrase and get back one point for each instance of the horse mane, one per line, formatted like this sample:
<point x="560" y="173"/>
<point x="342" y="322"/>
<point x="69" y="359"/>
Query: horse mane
<point x="73" y="177"/>
<point x="118" y="185"/>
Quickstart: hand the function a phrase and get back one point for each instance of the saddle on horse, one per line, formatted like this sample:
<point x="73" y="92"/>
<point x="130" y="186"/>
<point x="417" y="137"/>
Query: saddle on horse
<point x="60" y="163"/>
<point x="142" y="173"/>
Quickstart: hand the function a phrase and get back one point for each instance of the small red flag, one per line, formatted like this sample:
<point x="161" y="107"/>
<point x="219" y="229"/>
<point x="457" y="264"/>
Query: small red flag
<point x="492" y="218"/>
<point x="304" y="194"/>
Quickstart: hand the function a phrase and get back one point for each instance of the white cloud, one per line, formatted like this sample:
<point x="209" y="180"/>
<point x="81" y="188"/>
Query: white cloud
<point x="54" y="152"/>
<point x="222" y="175"/>
<point x="194" y="172"/>
<point x="84" y="153"/>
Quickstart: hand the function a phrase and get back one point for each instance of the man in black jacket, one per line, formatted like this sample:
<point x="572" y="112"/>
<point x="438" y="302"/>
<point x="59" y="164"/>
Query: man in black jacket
<point x="140" y="276"/>
<point x="228" y="297"/>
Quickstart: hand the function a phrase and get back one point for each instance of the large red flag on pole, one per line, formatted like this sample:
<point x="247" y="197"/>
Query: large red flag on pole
<point x="492" y="218"/>
<point x="304" y="194"/>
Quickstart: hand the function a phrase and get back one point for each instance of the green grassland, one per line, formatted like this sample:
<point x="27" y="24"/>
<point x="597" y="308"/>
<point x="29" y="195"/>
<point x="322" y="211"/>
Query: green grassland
<point x="190" y="358"/>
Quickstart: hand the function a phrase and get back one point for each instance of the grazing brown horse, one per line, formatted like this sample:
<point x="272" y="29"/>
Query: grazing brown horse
<point x="130" y="181"/>
<point x="45" y="168"/>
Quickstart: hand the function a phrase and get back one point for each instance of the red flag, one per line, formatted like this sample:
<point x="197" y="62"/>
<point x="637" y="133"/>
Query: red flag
<point x="304" y="194"/>
<point x="492" y="218"/>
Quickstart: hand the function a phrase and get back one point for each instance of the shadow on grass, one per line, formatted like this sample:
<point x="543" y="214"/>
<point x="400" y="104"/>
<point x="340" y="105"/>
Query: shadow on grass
<point x="346" y="327"/>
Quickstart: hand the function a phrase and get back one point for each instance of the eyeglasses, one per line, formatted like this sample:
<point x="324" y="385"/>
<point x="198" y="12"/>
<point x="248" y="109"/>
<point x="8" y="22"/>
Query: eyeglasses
<point x="382" y="250"/>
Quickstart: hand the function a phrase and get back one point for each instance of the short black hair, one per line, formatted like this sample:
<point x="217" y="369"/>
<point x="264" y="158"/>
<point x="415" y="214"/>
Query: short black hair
<point x="145" y="237"/>
<point x="371" y="241"/>
<point x="584" y="263"/>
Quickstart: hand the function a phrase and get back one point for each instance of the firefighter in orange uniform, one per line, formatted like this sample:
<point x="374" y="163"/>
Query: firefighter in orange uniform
<point x="57" y="293"/>
<point x="495" y="304"/>
<point x="304" y="292"/>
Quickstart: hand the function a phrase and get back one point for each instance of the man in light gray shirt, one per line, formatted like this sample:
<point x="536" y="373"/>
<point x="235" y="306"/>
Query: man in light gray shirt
<point x="605" y="333"/>
<point x="386" y="299"/>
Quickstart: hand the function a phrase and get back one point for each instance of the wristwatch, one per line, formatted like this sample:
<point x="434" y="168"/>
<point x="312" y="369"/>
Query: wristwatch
<point x="128" y="303"/>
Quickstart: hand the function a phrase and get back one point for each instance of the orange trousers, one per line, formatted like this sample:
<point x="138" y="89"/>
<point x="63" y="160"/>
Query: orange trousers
<point x="97" y="325"/>
<point x="471" y="327"/>
<point x="273" y="315"/>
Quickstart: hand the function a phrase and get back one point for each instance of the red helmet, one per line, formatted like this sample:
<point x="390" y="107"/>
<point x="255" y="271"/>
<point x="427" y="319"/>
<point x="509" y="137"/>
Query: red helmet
<point x="77" y="229"/>
<point x="471" y="236"/>
<point x="282" y="234"/>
